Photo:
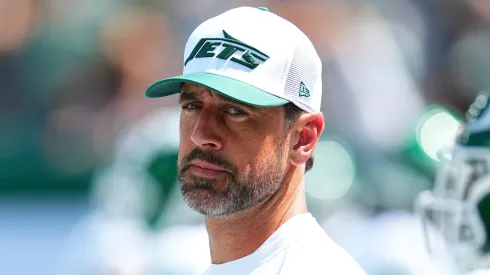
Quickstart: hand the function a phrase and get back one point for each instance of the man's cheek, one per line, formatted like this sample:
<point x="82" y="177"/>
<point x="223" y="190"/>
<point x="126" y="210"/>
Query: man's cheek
<point x="185" y="127"/>
<point x="184" y="150"/>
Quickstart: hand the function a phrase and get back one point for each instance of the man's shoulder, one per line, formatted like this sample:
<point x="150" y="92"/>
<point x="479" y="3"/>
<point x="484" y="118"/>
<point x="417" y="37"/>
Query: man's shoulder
<point x="318" y="255"/>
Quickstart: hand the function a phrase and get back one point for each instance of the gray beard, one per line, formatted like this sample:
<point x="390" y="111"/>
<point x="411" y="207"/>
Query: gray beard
<point x="201" y="195"/>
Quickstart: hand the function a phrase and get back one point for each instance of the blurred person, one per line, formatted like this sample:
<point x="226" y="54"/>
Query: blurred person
<point x="250" y="121"/>
<point x="17" y="25"/>
<point x="458" y="205"/>
<point x="138" y="223"/>
<point x="373" y="239"/>
<point x="142" y="42"/>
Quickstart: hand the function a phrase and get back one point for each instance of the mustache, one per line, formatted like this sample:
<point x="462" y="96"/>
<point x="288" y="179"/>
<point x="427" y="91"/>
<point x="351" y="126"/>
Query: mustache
<point x="209" y="157"/>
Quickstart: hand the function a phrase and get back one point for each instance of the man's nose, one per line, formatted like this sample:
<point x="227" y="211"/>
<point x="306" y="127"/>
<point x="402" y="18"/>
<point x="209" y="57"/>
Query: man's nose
<point x="206" y="132"/>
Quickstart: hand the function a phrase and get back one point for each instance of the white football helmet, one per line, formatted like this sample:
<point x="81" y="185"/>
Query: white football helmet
<point x="459" y="203"/>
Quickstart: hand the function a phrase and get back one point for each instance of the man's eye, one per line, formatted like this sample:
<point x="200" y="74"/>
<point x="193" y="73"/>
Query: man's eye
<point x="235" y="111"/>
<point x="191" y="106"/>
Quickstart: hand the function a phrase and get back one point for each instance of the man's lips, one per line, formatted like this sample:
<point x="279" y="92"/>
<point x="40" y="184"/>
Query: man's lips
<point x="206" y="165"/>
<point x="205" y="169"/>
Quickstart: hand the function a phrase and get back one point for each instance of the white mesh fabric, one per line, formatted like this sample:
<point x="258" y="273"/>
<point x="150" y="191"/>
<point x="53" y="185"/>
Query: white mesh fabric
<point x="305" y="68"/>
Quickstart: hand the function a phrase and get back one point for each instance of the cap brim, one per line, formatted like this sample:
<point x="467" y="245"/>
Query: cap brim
<point x="229" y="87"/>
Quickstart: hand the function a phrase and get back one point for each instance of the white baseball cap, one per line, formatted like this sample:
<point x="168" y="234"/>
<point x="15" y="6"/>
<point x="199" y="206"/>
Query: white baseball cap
<point x="252" y="56"/>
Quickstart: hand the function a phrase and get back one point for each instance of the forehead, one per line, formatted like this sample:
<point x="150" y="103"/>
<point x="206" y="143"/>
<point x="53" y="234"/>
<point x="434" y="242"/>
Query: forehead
<point x="195" y="90"/>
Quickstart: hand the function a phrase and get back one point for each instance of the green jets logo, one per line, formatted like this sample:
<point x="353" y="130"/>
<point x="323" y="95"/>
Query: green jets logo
<point x="303" y="91"/>
<point x="208" y="47"/>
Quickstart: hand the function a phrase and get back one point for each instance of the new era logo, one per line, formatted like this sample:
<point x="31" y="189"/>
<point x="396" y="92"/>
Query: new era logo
<point x="303" y="91"/>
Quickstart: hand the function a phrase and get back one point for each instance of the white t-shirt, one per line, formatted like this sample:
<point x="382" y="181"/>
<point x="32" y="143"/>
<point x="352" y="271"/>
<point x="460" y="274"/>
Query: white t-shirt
<point x="299" y="246"/>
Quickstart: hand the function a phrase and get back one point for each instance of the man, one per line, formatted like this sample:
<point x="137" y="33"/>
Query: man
<point x="250" y="97"/>
<point x="459" y="204"/>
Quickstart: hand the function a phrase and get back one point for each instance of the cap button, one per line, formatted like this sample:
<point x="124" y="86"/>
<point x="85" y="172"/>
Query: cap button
<point x="263" y="8"/>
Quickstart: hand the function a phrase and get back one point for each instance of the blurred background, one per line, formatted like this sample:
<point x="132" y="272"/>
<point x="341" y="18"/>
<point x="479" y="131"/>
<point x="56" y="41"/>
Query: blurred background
<point x="88" y="164"/>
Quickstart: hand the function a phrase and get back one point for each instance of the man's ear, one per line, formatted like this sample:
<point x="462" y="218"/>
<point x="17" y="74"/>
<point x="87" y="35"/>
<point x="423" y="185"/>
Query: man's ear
<point x="305" y="135"/>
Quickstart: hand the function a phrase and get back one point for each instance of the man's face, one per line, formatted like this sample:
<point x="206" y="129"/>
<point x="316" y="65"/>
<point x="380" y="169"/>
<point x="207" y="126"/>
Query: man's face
<point x="231" y="156"/>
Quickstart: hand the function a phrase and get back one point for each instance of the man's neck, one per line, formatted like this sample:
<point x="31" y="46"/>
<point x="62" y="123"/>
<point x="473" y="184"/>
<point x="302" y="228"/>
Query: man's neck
<point x="236" y="236"/>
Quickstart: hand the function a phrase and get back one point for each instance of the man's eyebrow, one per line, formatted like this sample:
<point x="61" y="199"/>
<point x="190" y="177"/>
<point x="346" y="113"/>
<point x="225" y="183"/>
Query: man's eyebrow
<point x="186" y="95"/>
<point x="243" y="105"/>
